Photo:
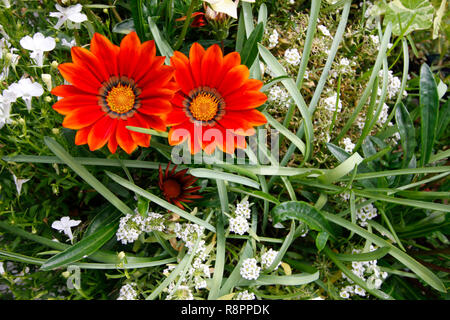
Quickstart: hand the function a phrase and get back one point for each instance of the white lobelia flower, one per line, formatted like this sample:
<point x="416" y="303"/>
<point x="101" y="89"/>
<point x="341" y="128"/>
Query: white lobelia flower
<point x="228" y="7"/>
<point x="72" y="13"/>
<point x="6" y="98"/>
<point x="38" y="45"/>
<point x="26" y="89"/>
<point x="324" y="30"/>
<point x="65" y="225"/>
<point x="19" y="183"/>
<point x="68" y="44"/>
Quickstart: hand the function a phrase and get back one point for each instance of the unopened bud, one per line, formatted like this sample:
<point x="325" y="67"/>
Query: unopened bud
<point x="54" y="64"/>
<point x="47" y="80"/>
<point x="121" y="255"/>
<point x="55" y="131"/>
<point x="66" y="274"/>
<point x="105" y="10"/>
<point x="48" y="99"/>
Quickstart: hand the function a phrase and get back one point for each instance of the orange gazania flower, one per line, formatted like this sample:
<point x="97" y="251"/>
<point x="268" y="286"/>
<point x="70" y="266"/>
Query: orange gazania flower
<point x="112" y="87"/>
<point x="216" y="103"/>
<point x="177" y="186"/>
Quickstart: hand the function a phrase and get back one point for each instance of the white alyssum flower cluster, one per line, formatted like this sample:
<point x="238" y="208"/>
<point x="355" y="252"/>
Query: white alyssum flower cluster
<point x="132" y="225"/>
<point x="277" y="95"/>
<point x="292" y="56"/>
<point x="273" y="39"/>
<point x="330" y="103"/>
<point x="368" y="271"/>
<point x="268" y="257"/>
<point x="393" y="86"/>
<point x="239" y="223"/>
<point x="250" y="269"/>
<point x="245" y="295"/>
<point x="128" y="292"/>
<point x="365" y="213"/>
<point x="190" y="234"/>
<point x="348" y="145"/>
<point x="324" y="30"/>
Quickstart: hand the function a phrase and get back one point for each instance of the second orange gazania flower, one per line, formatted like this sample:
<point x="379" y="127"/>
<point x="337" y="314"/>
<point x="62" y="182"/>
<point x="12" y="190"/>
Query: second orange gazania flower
<point x="113" y="87"/>
<point x="216" y="103"/>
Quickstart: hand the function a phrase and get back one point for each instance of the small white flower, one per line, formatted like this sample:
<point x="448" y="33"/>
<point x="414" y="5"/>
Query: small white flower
<point x="268" y="257"/>
<point x="68" y="44"/>
<point x="324" y="30"/>
<point x="344" y="294"/>
<point x="239" y="225"/>
<point x="65" y="225"/>
<point x="38" y="45"/>
<point x="375" y="39"/>
<point x="72" y="13"/>
<point x="330" y="103"/>
<point x="292" y="56"/>
<point x="273" y="39"/>
<point x="2" y="269"/>
<point x="19" y="183"/>
<point x="228" y="7"/>
<point x="26" y="89"/>
<point x="245" y="295"/>
<point x="127" y="292"/>
<point x="277" y="95"/>
<point x="243" y="209"/>
<point x="348" y="145"/>
<point x="249" y="269"/>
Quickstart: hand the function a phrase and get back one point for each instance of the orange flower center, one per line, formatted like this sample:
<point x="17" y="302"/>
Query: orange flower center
<point x="172" y="188"/>
<point x="204" y="107"/>
<point x="121" y="98"/>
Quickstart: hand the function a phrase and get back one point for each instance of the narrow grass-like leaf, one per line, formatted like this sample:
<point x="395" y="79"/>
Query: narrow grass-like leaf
<point x="250" y="50"/>
<point x="256" y="194"/>
<point x="59" y="151"/>
<point x="148" y="131"/>
<point x="219" y="264"/>
<point x="248" y="18"/>
<point x="127" y="184"/>
<point x="85" y="247"/>
<point x="214" y="174"/>
<point x="407" y="133"/>
<point x="288" y="134"/>
<point x="163" y="47"/>
<point x="429" y="109"/>
<point x="444" y="119"/>
<point x="366" y="256"/>
<point x="292" y="280"/>
<point x="342" y="169"/>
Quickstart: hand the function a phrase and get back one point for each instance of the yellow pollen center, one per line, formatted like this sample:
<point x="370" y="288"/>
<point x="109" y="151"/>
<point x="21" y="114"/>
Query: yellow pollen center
<point x="204" y="107"/>
<point x="121" y="98"/>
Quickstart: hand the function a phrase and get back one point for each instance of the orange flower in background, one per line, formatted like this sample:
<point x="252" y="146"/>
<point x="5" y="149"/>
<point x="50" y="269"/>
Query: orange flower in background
<point x="216" y="104"/>
<point x="112" y="87"/>
<point x="177" y="186"/>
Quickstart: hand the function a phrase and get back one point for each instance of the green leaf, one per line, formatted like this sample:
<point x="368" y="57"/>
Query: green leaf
<point x="256" y="194"/>
<point x="288" y="134"/>
<point x="302" y="211"/>
<point x="401" y="12"/>
<point x="124" y="27"/>
<point x="429" y="104"/>
<point x="163" y="46"/>
<point x="366" y="256"/>
<point x="444" y="119"/>
<point x="138" y="17"/>
<point x="407" y="133"/>
<point x="250" y="50"/>
<point x="87" y="246"/>
<point x="213" y="174"/>
<point x="438" y="18"/>
<point x="321" y="240"/>
<point x="342" y="169"/>
<point x="59" y="151"/>
<point x="292" y="280"/>
<point x="106" y="215"/>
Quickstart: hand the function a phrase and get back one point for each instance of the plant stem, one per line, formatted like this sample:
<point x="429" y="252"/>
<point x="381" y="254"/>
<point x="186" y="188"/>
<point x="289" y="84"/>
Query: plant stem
<point x="186" y="24"/>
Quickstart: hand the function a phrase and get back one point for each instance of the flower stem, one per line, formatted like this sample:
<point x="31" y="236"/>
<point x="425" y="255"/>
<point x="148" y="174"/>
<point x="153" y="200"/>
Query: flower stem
<point x="186" y="24"/>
